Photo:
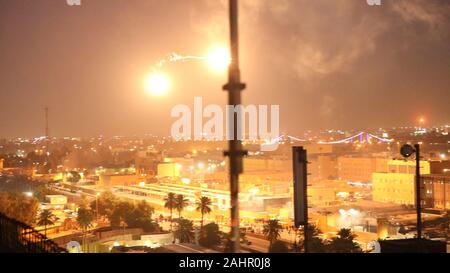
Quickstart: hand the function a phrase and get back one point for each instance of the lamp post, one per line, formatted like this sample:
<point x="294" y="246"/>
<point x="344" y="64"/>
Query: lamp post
<point x="235" y="152"/>
<point x="96" y="205"/>
<point x="406" y="151"/>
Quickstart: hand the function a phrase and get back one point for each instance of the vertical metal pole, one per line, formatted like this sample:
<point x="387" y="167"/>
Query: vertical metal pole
<point x="235" y="152"/>
<point x="418" y="204"/>
<point x="96" y="207"/>
<point x="300" y="174"/>
<point x="47" y="137"/>
<point x="46" y="123"/>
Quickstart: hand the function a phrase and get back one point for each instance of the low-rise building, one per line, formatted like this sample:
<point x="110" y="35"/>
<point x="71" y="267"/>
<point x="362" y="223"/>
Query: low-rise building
<point x="397" y="184"/>
<point x="436" y="191"/>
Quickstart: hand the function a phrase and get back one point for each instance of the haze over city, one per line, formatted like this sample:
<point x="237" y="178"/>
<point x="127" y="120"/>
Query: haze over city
<point x="328" y="64"/>
<point x="224" y="126"/>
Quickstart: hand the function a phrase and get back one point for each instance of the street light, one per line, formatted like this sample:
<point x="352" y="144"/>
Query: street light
<point x="406" y="151"/>
<point x="96" y="205"/>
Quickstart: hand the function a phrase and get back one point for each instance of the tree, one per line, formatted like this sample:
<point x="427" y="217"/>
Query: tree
<point x="272" y="231"/>
<point x="170" y="203"/>
<point x="19" y="207"/>
<point x="73" y="177"/>
<point x="185" y="231"/>
<point x="344" y="243"/>
<point x="46" y="218"/>
<point x="315" y="243"/>
<point x="41" y="191"/>
<point x="210" y="236"/>
<point x="181" y="202"/>
<point x="84" y="219"/>
<point x="278" y="247"/>
<point x="141" y="217"/>
<point x="122" y="214"/>
<point x="106" y="204"/>
<point x="144" y="211"/>
<point x="135" y="216"/>
<point x="204" y="206"/>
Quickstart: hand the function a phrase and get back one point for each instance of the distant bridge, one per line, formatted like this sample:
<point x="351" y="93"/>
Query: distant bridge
<point x="361" y="137"/>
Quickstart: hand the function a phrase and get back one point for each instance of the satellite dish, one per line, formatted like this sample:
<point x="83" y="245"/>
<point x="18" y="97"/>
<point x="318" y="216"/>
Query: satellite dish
<point x="407" y="150"/>
<point x="74" y="247"/>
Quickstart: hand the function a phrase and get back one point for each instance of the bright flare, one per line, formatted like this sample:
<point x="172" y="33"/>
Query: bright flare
<point x="219" y="59"/>
<point x="157" y="84"/>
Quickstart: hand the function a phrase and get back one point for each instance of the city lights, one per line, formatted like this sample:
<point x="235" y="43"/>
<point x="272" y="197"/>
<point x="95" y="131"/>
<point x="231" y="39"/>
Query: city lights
<point x="162" y="127"/>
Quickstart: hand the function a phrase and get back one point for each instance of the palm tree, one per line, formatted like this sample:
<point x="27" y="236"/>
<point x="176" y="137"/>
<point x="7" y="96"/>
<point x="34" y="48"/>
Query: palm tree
<point x="204" y="206"/>
<point x="170" y="203"/>
<point x="181" y="202"/>
<point x="185" y="231"/>
<point x="272" y="231"/>
<point x="84" y="219"/>
<point x="315" y="243"/>
<point x="344" y="242"/>
<point x="46" y="218"/>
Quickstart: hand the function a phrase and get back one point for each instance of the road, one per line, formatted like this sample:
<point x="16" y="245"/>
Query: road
<point x="257" y="244"/>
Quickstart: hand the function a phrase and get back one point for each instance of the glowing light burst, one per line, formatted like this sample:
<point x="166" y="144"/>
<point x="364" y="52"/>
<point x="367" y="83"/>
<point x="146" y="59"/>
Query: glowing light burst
<point x="157" y="84"/>
<point x="175" y="57"/>
<point x="218" y="59"/>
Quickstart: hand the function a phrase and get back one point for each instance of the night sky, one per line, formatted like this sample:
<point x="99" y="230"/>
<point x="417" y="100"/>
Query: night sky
<point x="327" y="63"/>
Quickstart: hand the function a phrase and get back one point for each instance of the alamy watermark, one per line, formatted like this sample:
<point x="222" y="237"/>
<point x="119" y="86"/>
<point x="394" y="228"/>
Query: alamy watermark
<point x="219" y="124"/>
<point x="73" y="2"/>
<point x="373" y="2"/>
<point x="78" y="2"/>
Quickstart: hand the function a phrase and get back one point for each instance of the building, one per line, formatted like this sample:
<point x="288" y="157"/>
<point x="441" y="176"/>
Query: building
<point x="146" y="162"/>
<point x="323" y="167"/>
<point x="258" y="164"/>
<point x="440" y="167"/>
<point x="169" y="169"/>
<point x="56" y="199"/>
<point x="436" y="191"/>
<point x="111" y="180"/>
<point x="360" y="168"/>
<point x="397" y="184"/>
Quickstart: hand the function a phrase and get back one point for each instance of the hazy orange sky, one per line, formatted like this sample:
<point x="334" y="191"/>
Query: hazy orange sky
<point x="327" y="63"/>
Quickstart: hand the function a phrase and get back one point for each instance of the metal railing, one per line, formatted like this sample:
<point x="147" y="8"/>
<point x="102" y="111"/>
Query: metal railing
<point x="18" y="237"/>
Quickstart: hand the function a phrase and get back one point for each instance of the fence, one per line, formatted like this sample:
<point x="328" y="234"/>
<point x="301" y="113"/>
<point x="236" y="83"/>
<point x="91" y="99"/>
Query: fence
<point x="18" y="237"/>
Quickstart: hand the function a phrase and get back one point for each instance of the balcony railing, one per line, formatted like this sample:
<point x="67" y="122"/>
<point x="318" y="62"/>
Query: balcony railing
<point x="18" y="237"/>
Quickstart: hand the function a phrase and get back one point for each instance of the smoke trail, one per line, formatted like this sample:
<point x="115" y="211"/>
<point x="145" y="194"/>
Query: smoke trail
<point x="175" y="57"/>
